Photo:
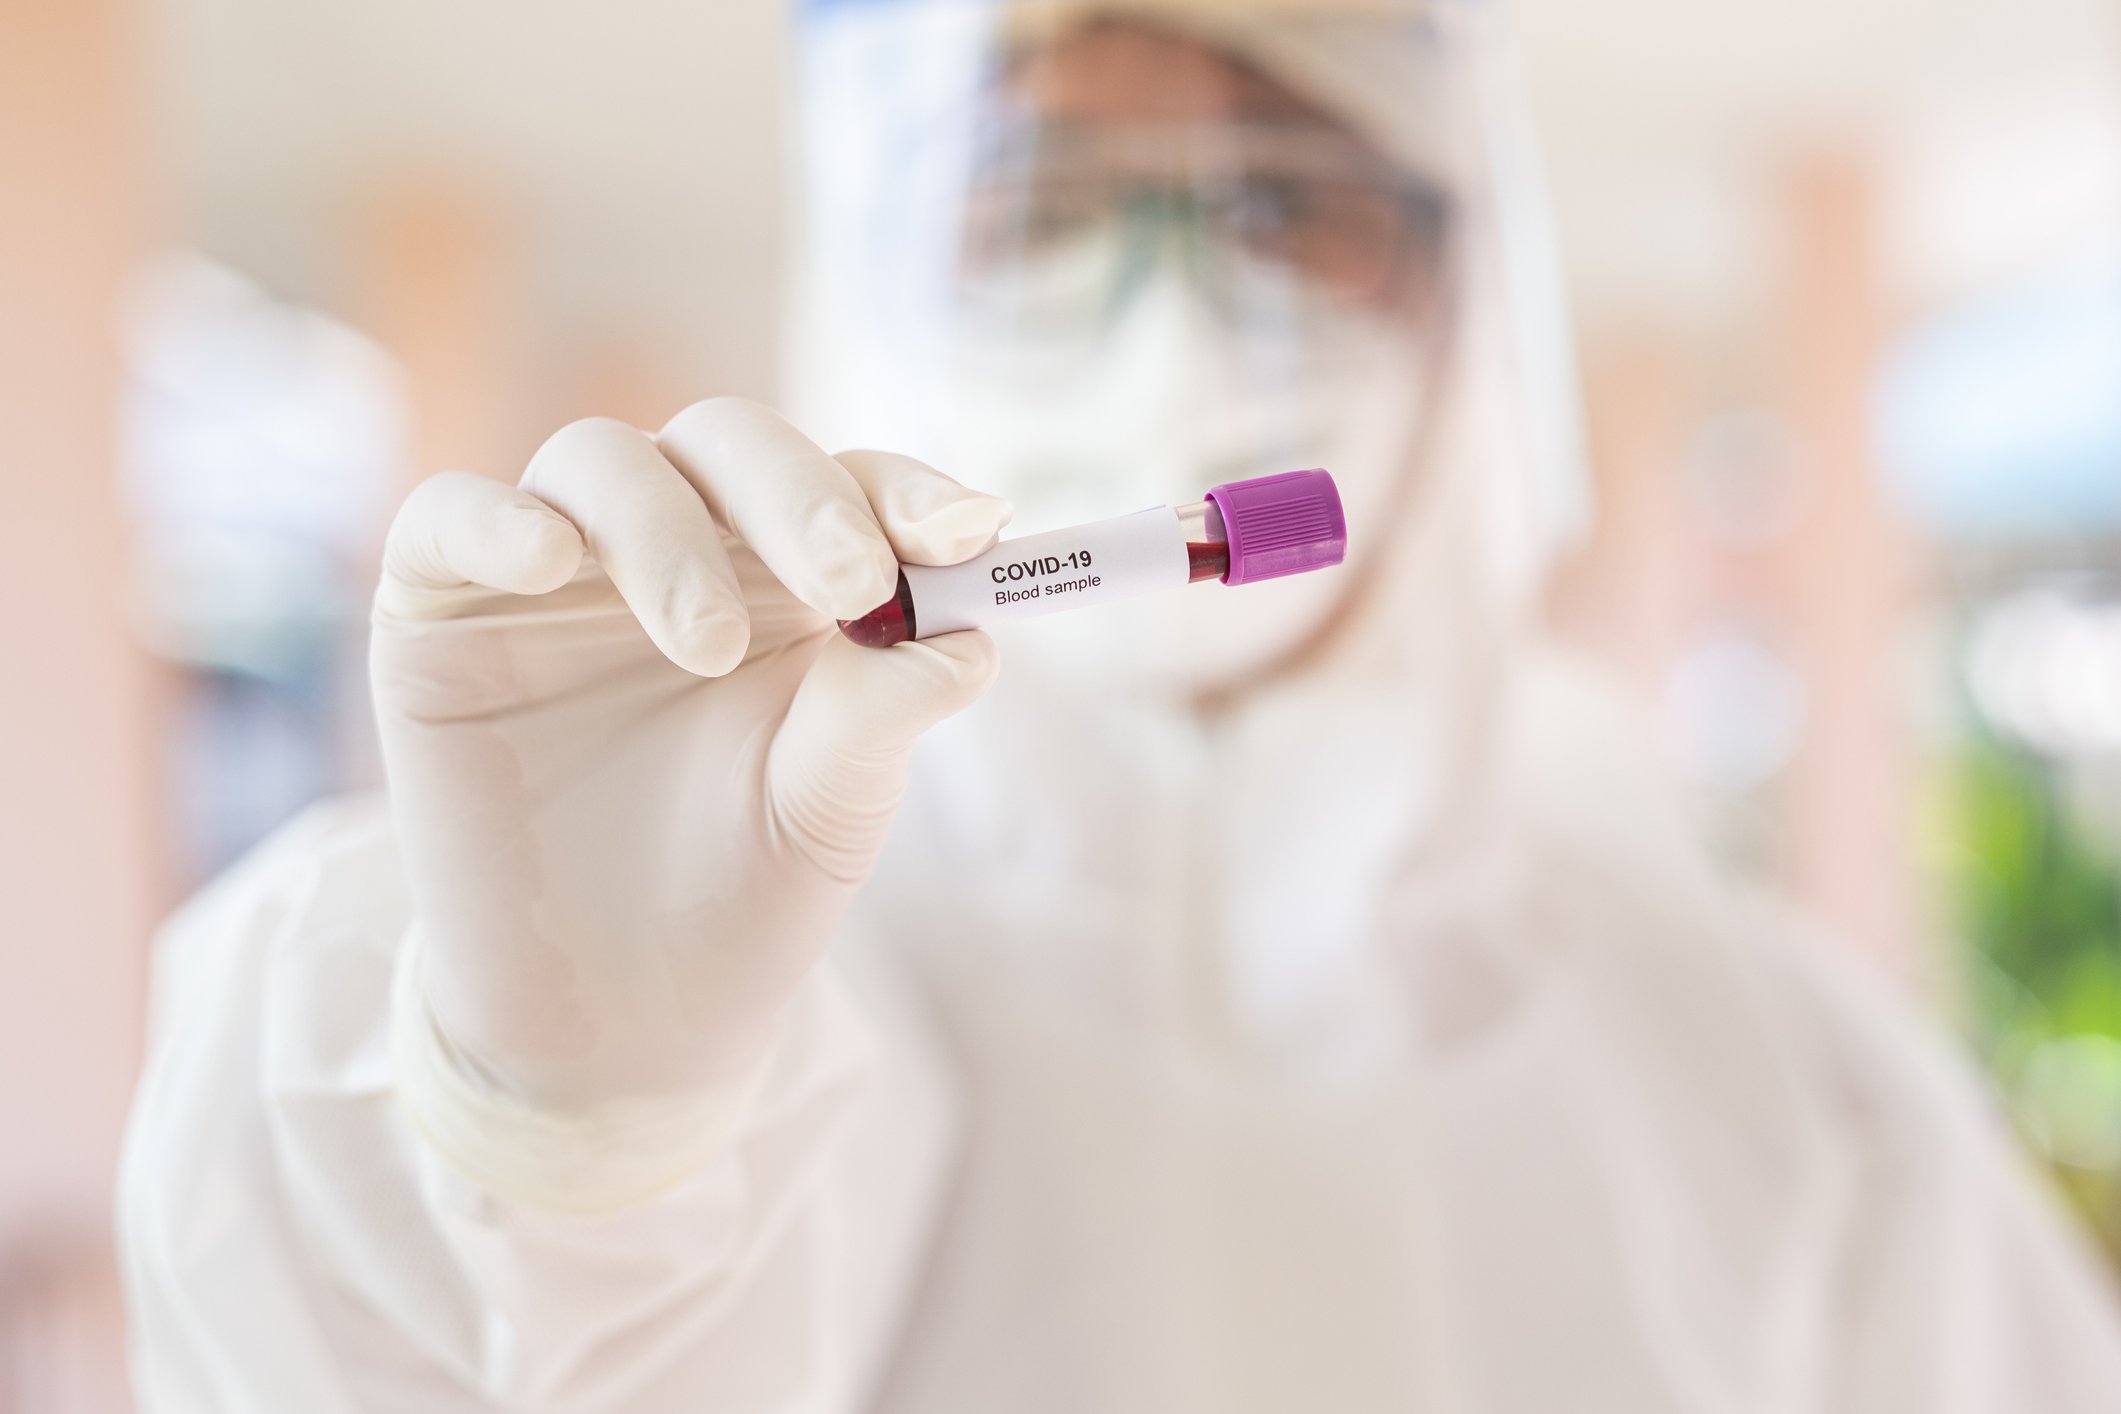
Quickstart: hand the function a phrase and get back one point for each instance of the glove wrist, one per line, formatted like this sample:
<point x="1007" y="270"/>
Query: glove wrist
<point x="608" y="1156"/>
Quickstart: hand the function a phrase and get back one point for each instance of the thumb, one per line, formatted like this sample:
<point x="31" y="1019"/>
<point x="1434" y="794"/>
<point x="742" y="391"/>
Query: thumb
<point x="837" y="766"/>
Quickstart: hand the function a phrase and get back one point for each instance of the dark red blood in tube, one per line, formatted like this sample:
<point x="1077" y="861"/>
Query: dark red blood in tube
<point x="1206" y="560"/>
<point x="888" y="623"/>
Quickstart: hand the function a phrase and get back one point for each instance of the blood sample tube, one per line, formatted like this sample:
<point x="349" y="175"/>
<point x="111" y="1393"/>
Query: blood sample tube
<point x="1243" y="531"/>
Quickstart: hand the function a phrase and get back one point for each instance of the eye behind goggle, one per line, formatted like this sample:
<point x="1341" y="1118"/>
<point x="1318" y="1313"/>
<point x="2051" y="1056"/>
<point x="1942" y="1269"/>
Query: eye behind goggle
<point x="1059" y="232"/>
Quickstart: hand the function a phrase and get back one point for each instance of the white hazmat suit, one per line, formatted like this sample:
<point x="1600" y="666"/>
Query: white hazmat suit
<point x="1273" y="998"/>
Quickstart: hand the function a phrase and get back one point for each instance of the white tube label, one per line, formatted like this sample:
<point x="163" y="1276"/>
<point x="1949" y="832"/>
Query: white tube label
<point x="1057" y="569"/>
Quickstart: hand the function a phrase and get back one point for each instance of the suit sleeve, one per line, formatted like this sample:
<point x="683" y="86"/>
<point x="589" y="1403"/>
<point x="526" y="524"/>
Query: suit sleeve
<point x="295" y="1237"/>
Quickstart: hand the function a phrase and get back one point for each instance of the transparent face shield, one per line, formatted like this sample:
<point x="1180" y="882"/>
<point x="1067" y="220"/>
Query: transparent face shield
<point x="1099" y="256"/>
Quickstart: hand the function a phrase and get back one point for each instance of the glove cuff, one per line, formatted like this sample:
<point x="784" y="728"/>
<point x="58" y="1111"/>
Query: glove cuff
<point x="620" y="1153"/>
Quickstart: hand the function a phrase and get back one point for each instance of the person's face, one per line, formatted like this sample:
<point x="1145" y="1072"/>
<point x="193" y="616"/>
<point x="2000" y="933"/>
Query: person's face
<point x="1177" y="271"/>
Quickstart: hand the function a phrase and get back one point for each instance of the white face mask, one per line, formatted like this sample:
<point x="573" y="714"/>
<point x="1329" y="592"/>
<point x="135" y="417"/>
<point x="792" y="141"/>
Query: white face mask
<point x="1170" y="403"/>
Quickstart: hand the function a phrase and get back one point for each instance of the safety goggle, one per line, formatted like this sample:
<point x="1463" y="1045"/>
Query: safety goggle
<point x="1063" y="223"/>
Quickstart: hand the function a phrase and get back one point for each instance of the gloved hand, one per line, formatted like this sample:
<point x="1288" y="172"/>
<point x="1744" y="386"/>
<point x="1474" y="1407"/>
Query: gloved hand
<point x="637" y="775"/>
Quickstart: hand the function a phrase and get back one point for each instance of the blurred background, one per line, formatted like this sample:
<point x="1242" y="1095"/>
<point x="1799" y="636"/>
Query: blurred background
<point x="1847" y="283"/>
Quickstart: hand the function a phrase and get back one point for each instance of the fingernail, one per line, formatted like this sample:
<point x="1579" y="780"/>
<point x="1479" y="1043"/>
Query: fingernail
<point x="550" y="549"/>
<point x="858" y="583"/>
<point x="966" y="524"/>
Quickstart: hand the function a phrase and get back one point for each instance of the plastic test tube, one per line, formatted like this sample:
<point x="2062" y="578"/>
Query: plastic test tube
<point x="1264" y="528"/>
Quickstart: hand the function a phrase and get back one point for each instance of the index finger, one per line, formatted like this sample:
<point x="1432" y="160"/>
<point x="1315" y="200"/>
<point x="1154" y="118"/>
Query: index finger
<point x="651" y="535"/>
<point x="782" y="495"/>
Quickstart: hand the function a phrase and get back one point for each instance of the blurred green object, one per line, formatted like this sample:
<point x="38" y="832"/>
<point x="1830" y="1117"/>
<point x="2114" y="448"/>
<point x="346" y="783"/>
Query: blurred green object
<point x="2035" y="885"/>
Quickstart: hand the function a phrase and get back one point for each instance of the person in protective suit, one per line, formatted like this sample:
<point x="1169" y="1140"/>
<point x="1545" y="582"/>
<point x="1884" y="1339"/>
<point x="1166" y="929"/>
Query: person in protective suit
<point x="1290" y="997"/>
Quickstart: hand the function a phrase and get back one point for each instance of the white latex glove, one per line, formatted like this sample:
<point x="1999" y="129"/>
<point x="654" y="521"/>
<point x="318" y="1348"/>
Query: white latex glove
<point x="637" y="775"/>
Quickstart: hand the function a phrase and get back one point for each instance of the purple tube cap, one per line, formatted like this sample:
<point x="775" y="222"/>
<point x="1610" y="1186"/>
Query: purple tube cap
<point x="1281" y="524"/>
